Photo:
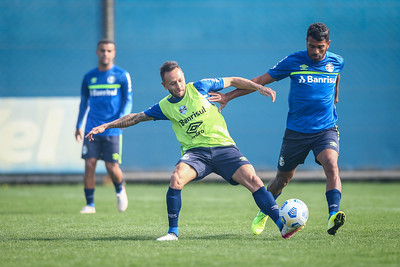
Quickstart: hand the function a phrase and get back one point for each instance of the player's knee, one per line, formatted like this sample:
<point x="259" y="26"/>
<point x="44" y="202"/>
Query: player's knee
<point x="90" y="164"/>
<point x="176" y="181"/>
<point x="282" y="181"/>
<point x="112" y="168"/>
<point x="330" y="165"/>
<point x="255" y="181"/>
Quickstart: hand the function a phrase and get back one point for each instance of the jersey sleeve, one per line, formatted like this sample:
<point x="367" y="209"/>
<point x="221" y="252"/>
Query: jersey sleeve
<point x="155" y="112"/>
<point x="126" y="91"/>
<point x="84" y="103"/>
<point x="282" y="69"/>
<point x="204" y="86"/>
<point x="341" y="62"/>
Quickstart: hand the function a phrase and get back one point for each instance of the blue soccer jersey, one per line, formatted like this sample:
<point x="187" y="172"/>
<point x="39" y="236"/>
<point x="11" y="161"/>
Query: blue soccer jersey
<point x="203" y="86"/>
<point x="108" y="95"/>
<point x="312" y="90"/>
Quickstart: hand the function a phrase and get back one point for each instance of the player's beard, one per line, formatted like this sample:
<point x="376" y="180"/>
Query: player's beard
<point x="317" y="57"/>
<point x="105" y="62"/>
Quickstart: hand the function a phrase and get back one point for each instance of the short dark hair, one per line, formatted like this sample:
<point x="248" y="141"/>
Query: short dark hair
<point x="105" y="41"/>
<point x="167" y="67"/>
<point x="318" y="31"/>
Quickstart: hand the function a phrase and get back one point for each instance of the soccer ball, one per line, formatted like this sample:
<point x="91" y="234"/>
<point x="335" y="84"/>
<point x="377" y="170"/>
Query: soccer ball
<point x="294" y="213"/>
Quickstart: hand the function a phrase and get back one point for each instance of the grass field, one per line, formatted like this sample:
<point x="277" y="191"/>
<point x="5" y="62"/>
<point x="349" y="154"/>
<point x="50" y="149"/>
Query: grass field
<point x="41" y="226"/>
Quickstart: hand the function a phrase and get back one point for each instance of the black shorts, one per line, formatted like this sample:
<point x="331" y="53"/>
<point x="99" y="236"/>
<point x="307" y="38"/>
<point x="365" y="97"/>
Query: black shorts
<point x="222" y="160"/>
<point x="296" y="146"/>
<point x="107" y="148"/>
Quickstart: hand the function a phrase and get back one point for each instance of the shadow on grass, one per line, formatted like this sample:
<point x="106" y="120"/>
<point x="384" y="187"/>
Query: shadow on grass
<point x="135" y="238"/>
<point x="108" y="238"/>
<point x="213" y="237"/>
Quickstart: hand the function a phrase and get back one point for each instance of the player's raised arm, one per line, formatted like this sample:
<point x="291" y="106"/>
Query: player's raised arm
<point x="243" y="83"/>
<point x="223" y="99"/>
<point x="125" y="121"/>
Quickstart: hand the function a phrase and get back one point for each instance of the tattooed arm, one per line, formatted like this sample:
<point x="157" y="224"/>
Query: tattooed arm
<point x="125" y="121"/>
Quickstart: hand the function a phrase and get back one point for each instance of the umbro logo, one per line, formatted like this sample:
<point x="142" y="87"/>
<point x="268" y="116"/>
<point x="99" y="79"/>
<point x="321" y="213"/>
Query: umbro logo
<point x="193" y="127"/>
<point x="303" y="67"/>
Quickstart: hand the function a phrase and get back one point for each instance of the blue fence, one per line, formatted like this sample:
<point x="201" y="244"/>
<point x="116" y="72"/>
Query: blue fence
<point x="46" y="47"/>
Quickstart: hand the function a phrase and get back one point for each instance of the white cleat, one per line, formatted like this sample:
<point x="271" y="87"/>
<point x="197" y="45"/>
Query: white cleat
<point x="168" y="237"/>
<point x="287" y="231"/>
<point x="122" y="200"/>
<point x="88" y="210"/>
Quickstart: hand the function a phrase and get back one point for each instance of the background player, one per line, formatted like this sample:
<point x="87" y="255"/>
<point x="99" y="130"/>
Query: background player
<point x="205" y="141"/>
<point x="107" y="92"/>
<point x="311" y="121"/>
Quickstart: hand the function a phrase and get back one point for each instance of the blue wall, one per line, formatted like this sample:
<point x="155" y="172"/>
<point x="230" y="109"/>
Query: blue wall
<point x="47" y="46"/>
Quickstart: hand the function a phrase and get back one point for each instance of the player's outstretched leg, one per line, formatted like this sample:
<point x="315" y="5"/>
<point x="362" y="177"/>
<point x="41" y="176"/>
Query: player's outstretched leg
<point x="336" y="221"/>
<point x="174" y="204"/>
<point x="266" y="202"/>
<point x="258" y="224"/>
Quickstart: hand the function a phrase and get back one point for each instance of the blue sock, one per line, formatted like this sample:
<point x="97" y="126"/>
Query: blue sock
<point x="118" y="186"/>
<point x="174" y="204"/>
<point x="333" y="197"/>
<point x="275" y="197"/>
<point x="89" y="194"/>
<point x="266" y="202"/>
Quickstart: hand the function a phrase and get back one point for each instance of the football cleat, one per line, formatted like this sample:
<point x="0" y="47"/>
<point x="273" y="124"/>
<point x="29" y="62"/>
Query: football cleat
<point x="336" y="221"/>
<point x="258" y="224"/>
<point x="287" y="231"/>
<point x="88" y="210"/>
<point x="168" y="237"/>
<point x="122" y="200"/>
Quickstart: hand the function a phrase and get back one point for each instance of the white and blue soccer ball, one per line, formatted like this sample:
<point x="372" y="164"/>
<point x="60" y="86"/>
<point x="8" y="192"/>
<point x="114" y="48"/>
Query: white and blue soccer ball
<point x="293" y="213"/>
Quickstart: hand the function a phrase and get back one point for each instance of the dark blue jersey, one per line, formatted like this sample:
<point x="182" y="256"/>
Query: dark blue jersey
<point x="312" y="90"/>
<point x="108" y="95"/>
<point x="203" y="86"/>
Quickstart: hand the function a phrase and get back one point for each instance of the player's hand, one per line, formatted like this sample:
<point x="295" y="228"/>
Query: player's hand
<point x="219" y="98"/>
<point x="95" y="130"/>
<point x="267" y="92"/>
<point x="78" y="135"/>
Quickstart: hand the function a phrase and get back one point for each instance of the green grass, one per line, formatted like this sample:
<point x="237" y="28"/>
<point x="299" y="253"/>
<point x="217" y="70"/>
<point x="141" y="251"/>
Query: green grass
<point x="41" y="226"/>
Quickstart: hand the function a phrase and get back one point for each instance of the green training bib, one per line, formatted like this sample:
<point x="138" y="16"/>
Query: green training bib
<point x="195" y="121"/>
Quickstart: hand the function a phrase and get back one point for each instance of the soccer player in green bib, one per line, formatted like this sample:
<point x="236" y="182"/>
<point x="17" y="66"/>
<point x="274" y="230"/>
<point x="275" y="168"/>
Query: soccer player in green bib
<point x="205" y="141"/>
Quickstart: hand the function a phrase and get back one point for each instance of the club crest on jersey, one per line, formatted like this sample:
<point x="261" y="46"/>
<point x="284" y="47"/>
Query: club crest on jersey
<point x="182" y="109"/>
<point x="329" y="67"/>
<point x="281" y="161"/>
<point x="111" y="79"/>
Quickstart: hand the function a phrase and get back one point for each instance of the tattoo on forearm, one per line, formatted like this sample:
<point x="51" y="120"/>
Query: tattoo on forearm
<point x="129" y="120"/>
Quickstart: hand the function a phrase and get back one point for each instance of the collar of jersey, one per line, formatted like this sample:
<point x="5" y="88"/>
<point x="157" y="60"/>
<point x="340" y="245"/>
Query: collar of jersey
<point x="173" y="99"/>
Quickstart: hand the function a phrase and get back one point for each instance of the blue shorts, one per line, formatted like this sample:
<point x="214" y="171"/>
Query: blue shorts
<point x="296" y="146"/>
<point x="107" y="148"/>
<point x="222" y="160"/>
